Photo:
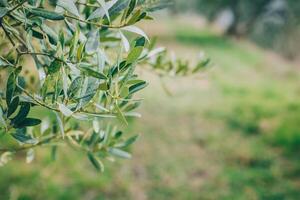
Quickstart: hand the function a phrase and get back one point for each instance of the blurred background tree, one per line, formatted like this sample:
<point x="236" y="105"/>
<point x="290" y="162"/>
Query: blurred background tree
<point x="271" y="23"/>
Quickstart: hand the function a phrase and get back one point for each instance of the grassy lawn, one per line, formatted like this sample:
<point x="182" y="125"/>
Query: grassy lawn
<point x="232" y="133"/>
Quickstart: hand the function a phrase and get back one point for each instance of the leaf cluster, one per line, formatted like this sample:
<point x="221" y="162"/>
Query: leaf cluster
<point x="86" y="54"/>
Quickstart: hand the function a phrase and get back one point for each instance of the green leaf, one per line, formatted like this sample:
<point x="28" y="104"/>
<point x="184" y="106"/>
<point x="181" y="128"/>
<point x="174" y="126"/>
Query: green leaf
<point x="65" y="110"/>
<point x="137" y="16"/>
<point x="118" y="7"/>
<point x="132" y="5"/>
<point x="89" y="72"/>
<point x="201" y="65"/>
<point x="54" y="66"/>
<point x="95" y="162"/>
<point x="100" y="12"/>
<point x="13" y="106"/>
<point x="10" y="87"/>
<point x="128" y="142"/>
<point x="2" y="121"/>
<point x="27" y="122"/>
<point x="52" y="35"/>
<point x="46" y="14"/>
<point x="120" y="115"/>
<point x="60" y="124"/>
<point x="140" y="42"/>
<point x="137" y="87"/>
<point x="124" y="92"/>
<point x="134" y="54"/>
<point x="80" y="51"/>
<point x="103" y="86"/>
<point x="24" y="110"/>
<point x="61" y="38"/>
<point x="22" y="137"/>
<point x="3" y="3"/>
<point x="3" y="11"/>
<point x="69" y="6"/>
<point x="65" y="83"/>
<point x="74" y="87"/>
<point x="136" y="30"/>
<point x="74" y="42"/>
<point x="93" y="42"/>
<point x="119" y="153"/>
<point x="118" y="134"/>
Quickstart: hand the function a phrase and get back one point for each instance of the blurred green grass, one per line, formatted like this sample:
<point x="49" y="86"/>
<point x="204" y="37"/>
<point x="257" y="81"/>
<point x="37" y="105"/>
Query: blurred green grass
<point x="232" y="134"/>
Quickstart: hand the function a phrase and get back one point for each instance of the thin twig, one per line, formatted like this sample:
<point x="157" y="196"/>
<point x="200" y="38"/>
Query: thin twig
<point x="42" y="54"/>
<point x="94" y="23"/>
<point x="37" y="101"/>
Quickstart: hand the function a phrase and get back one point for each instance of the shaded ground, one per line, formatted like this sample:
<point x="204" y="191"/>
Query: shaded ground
<point x="231" y="133"/>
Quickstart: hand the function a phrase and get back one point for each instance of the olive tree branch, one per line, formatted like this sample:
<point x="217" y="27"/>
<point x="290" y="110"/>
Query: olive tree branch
<point x="99" y="25"/>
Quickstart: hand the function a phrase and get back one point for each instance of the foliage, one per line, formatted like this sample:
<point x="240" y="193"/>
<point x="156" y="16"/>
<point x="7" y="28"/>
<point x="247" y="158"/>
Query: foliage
<point x="270" y="23"/>
<point x="86" y="54"/>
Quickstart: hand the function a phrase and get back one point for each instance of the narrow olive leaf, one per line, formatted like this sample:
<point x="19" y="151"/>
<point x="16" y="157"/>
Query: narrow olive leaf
<point x="201" y="65"/>
<point x="65" y="110"/>
<point x="132" y="5"/>
<point x="3" y="11"/>
<point x="140" y="42"/>
<point x="137" y="87"/>
<point x="136" y="17"/>
<point x="65" y="83"/>
<point x="80" y="51"/>
<point x="22" y="137"/>
<point x="54" y="66"/>
<point x="144" y="16"/>
<point x="74" y="87"/>
<point x="125" y="41"/>
<point x="69" y="6"/>
<point x="103" y="86"/>
<point x="10" y="87"/>
<point x="136" y="30"/>
<point x="155" y="52"/>
<point x="3" y="3"/>
<point x="13" y="106"/>
<point x="120" y="115"/>
<point x="128" y="142"/>
<point x="61" y="38"/>
<point x="118" y="134"/>
<point x="118" y="7"/>
<point x="74" y="42"/>
<point x="93" y="42"/>
<point x="60" y="124"/>
<point x="96" y="162"/>
<point x="27" y="122"/>
<point x="2" y="121"/>
<point x="119" y="153"/>
<point x="100" y="12"/>
<point x="22" y="114"/>
<point x="89" y="72"/>
<point x="134" y="54"/>
<point x="52" y="35"/>
<point x="106" y="6"/>
<point x="46" y="14"/>
<point x="124" y="92"/>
